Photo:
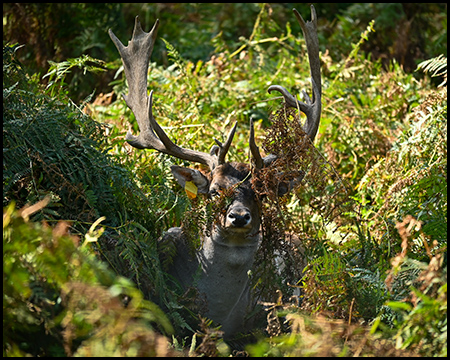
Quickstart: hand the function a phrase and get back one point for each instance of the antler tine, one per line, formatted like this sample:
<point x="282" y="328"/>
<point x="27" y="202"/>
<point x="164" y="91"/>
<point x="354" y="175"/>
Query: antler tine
<point x="313" y="108"/>
<point x="220" y="150"/>
<point x="259" y="162"/>
<point x="135" y="59"/>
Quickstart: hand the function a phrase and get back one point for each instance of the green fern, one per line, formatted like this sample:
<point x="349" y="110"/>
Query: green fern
<point x="51" y="148"/>
<point x="175" y="56"/>
<point x="58" y="71"/>
<point x="436" y="66"/>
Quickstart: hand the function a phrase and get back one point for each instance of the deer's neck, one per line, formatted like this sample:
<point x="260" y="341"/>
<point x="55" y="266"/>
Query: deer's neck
<point x="225" y="279"/>
<point x="231" y="251"/>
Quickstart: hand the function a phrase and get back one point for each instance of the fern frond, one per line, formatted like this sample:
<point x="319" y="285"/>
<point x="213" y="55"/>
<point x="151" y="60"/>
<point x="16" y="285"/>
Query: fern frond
<point x="436" y="67"/>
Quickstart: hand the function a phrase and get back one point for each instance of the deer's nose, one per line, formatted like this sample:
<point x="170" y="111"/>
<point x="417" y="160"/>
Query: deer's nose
<point x="239" y="217"/>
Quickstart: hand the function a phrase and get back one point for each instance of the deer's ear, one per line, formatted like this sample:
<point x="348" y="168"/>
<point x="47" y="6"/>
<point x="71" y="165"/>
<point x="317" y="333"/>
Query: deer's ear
<point x="286" y="186"/>
<point x="182" y="175"/>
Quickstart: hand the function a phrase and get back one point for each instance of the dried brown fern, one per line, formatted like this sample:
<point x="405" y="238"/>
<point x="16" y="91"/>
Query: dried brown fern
<point x="301" y="171"/>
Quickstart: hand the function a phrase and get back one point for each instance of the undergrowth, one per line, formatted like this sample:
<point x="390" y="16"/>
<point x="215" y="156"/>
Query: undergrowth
<point x="71" y="310"/>
<point x="52" y="150"/>
<point x="371" y="212"/>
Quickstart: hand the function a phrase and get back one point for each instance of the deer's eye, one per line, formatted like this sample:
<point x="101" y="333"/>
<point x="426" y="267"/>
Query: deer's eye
<point x="213" y="193"/>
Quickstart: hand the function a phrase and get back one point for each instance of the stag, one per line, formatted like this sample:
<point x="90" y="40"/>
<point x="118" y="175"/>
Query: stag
<point x="221" y="267"/>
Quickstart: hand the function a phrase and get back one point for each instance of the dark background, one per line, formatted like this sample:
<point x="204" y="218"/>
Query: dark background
<point x="406" y="32"/>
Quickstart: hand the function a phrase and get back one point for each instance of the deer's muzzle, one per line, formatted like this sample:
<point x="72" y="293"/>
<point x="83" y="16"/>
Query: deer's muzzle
<point x="238" y="217"/>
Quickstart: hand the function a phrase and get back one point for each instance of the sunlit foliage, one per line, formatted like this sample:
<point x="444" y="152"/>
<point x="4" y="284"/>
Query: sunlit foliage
<point x="83" y="210"/>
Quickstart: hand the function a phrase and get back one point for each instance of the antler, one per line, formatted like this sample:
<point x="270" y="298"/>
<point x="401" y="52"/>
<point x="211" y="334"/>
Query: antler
<point x="135" y="59"/>
<point x="313" y="108"/>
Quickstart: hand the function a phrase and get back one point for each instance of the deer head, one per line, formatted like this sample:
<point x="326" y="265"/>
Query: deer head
<point x="229" y="247"/>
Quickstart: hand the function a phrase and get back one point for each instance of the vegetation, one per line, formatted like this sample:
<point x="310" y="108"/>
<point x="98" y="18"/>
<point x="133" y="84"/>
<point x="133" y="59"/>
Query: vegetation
<point x="83" y="210"/>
